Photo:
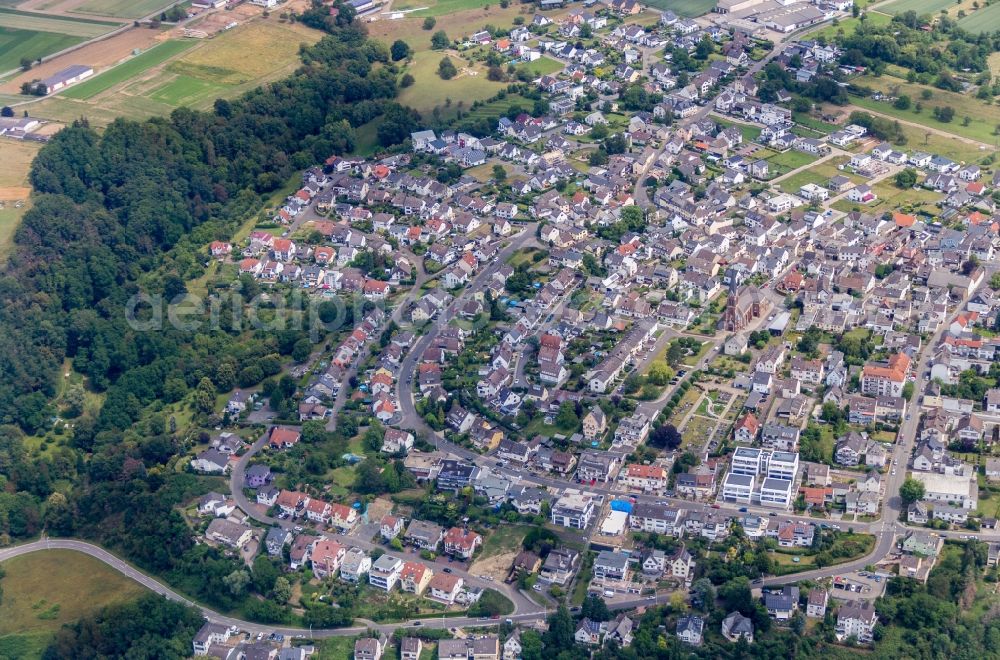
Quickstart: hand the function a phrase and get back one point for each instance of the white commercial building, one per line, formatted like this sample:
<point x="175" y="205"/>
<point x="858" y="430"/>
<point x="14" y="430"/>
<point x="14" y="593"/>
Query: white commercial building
<point x="783" y="465"/>
<point x="776" y="492"/>
<point x="746" y="460"/>
<point x="960" y="489"/>
<point x="737" y="488"/>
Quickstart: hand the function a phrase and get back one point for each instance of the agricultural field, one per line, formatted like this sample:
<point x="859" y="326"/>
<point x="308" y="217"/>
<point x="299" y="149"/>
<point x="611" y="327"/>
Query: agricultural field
<point x="45" y="590"/>
<point x="72" y="27"/>
<point x="982" y="20"/>
<point x="430" y="90"/>
<point x="187" y="73"/>
<point x="983" y="119"/>
<point x="440" y="7"/>
<point x="184" y="90"/>
<point x="15" y="44"/>
<point x="129" y="9"/>
<point x="920" y="6"/>
<point x="23" y="34"/>
<point x="17" y="157"/>
<point x="224" y="61"/>
<point x="689" y="8"/>
<point x="129" y="69"/>
<point x="456" y="25"/>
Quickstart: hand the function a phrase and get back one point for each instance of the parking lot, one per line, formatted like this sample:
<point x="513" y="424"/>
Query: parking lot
<point x="859" y="585"/>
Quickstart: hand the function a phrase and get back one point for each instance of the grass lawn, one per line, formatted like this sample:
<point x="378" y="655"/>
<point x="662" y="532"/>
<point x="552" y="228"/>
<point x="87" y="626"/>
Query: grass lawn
<point x="790" y="160"/>
<point x="341" y="480"/>
<point x="456" y="23"/>
<point x="15" y="44"/>
<point x="982" y="20"/>
<point x="184" y="90"/>
<point x="334" y="648"/>
<point x="523" y="256"/>
<point x="750" y="133"/>
<point x="815" y="124"/>
<point x="692" y="359"/>
<point x="819" y="174"/>
<point x="45" y="590"/>
<point x="441" y="7"/>
<point x="129" y="69"/>
<point x="366" y="137"/>
<point x="583" y="579"/>
<point x="697" y="431"/>
<point x="430" y="90"/>
<point x="10" y="218"/>
<point x="919" y="6"/>
<point x="785" y="559"/>
<point x="799" y="179"/>
<point x="983" y="118"/>
<point x="485" y="172"/>
<point x="849" y="25"/>
<point x="542" y="66"/>
<point x="122" y="8"/>
<point x="950" y="147"/>
<point x="506" y="538"/>
<point x="689" y="8"/>
<point x="891" y="198"/>
<point x="538" y="426"/>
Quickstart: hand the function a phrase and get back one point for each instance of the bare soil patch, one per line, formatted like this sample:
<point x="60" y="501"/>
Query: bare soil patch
<point x="497" y="566"/>
<point x="100" y="55"/>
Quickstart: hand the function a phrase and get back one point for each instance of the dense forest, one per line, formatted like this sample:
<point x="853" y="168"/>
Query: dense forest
<point x="130" y="210"/>
<point x="151" y="627"/>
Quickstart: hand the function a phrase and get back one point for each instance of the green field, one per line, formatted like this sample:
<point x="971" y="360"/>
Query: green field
<point x="542" y="66"/>
<point x="45" y="590"/>
<point x="184" y="90"/>
<point x="128" y="69"/>
<point x="441" y="7"/>
<point x="749" y="132"/>
<point x="158" y="81"/>
<point x="15" y="44"/>
<point x="849" y="25"/>
<point x="504" y="539"/>
<point x="983" y="119"/>
<point x="949" y="147"/>
<point x="73" y="27"/>
<point x="919" y="6"/>
<point x="799" y="179"/>
<point x="122" y="8"/>
<point x="689" y="8"/>
<point x="986" y="19"/>
<point x="789" y="160"/>
<point x="430" y="90"/>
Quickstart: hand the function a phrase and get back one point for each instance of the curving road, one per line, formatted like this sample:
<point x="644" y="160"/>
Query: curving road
<point x="211" y="615"/>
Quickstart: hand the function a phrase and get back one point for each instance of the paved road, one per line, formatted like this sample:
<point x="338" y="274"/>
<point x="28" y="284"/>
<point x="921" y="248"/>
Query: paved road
<point x="408" y="367"/>
<point x="397" y="314"/>
<point x="889" y="525"/>
<point x="158" y="587"/>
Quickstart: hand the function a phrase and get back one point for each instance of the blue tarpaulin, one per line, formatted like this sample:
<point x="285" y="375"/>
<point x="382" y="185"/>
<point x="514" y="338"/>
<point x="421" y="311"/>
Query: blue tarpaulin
<point x="621" y="505"/>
